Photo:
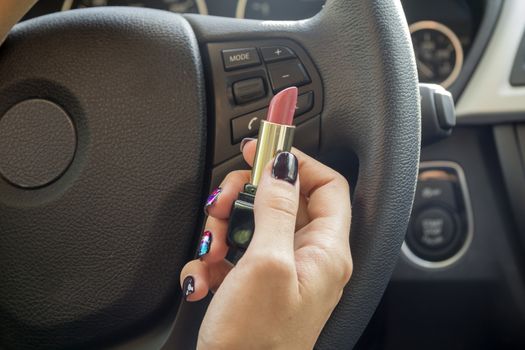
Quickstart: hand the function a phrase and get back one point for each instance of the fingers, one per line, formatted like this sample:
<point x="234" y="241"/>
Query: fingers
<point x="327" y="191"/>
<point x="198" y="278"/>
<point x="248" y="151"/>
<point x="220" y="201"/>
<point x="302" y="214"/>
<point x="275" y="207"/>
<point x="195" y="280"/>
<point x="12" y="11"/>
<point x="217" y="272"/>
<point x="324" y="226"/>
<point x="325" y="239"/>
<point x="313" y="172"/>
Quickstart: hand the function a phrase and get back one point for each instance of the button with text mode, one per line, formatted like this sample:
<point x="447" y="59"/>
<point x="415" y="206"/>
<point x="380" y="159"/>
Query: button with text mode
<point x="276" y="53"/>
<point x="247" y="125"/>
<point x="239" y="58"/>
<point x="287" y="73"/>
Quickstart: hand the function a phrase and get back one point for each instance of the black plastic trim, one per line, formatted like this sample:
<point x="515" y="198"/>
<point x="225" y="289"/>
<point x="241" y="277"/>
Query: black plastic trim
<point x="225" y="109"/>
<point x="509" y="140"/>
<point x="491" y="118"/>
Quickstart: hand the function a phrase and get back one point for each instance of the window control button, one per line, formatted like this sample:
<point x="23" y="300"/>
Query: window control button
<point x="276" y="53"/>
<point x="287" y="73"/>
<point x="248" y="90"/>
<point x="305" y="102"/>
<point x="240" y="58"/>
<point x="247" y="125"/>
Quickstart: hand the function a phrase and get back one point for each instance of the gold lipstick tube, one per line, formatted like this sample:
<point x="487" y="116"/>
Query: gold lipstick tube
<point x="273" y="138"/>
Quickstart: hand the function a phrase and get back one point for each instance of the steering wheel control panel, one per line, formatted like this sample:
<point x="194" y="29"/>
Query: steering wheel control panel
<point x="440" y="228"/>
<point x="245" y="76"/>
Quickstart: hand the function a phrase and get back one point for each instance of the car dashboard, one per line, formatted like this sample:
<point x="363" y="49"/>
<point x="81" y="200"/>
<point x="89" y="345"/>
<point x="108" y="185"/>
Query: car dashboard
<point x="471" y="295"/>
<point x="442" y="30"/>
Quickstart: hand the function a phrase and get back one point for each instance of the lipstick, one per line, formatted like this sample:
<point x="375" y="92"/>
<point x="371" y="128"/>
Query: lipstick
<point x="275" y="135"/>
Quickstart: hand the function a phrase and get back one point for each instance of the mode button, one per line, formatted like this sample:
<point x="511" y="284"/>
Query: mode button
<point x="239" y="58"/>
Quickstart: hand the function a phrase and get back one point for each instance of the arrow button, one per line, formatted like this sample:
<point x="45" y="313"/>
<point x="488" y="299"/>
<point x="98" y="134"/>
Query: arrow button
<point x="276" y="53"/>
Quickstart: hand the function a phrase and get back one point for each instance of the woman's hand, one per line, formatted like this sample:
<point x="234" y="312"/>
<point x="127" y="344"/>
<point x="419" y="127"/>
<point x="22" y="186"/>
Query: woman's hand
<point x="283" y="290"/>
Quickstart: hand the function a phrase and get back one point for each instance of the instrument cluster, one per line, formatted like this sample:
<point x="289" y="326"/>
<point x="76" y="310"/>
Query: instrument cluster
<point x="442" y="30"/>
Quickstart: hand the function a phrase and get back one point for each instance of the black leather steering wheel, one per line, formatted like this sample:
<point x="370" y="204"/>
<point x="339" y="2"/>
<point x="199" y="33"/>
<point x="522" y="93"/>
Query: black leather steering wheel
<point x="94" y="232"/>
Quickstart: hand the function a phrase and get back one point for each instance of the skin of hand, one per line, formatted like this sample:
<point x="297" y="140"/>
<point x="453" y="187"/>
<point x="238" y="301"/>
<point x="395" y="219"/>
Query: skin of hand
<point x="285" y="287"/>
<point x="11" y="11"/>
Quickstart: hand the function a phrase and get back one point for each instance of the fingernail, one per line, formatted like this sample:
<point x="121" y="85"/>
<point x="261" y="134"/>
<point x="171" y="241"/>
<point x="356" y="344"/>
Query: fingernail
<point x="245" y="141"/>
<point x="212" y="198"/>
<point x="205" y="244"/>
<point x="188" y="287"/>
<point x="285" y="167"/>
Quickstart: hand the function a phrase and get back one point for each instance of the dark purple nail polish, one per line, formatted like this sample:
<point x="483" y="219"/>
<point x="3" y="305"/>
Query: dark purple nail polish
<point x="285" y="167"/>
<point x="212" y="198"/>
<point x="205" y="244"/>
<point x="188" y="287"/>
<point x="245" y="141"/>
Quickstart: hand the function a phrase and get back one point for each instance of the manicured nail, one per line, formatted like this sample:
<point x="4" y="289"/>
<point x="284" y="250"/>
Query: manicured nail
<point x="205" y="244"/>
<point x="188" y="287"/>
<point x="245" y="141"/>
<point x="285" y="167"/>
<point x="212" y="198"/>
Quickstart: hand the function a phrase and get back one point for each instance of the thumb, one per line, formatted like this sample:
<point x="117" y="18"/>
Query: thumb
<point x="275" y="207"/>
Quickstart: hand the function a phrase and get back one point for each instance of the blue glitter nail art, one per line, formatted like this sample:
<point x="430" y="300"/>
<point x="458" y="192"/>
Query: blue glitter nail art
<point x="205" y="244"/>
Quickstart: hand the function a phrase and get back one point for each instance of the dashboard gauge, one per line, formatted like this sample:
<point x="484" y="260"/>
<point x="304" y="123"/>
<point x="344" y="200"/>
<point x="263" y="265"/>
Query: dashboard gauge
<point x="181" y="6"/>
<point x="278" y="9"/>
<point x="439" y="54"/>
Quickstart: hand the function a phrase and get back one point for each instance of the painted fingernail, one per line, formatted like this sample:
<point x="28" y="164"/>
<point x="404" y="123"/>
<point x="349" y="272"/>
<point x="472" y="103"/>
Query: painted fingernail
<point x="205" y="244"/>
<point x="285" y="167"/>
<point x="245" y="141"/>
<point x="188" y="287"/>
<point x="212" y="198"/>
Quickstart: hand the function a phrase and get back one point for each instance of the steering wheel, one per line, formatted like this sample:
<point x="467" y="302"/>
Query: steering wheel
<point x="100" y="211"/>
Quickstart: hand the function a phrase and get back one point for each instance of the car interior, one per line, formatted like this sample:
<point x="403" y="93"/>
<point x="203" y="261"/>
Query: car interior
<point x="437" y="161"/>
